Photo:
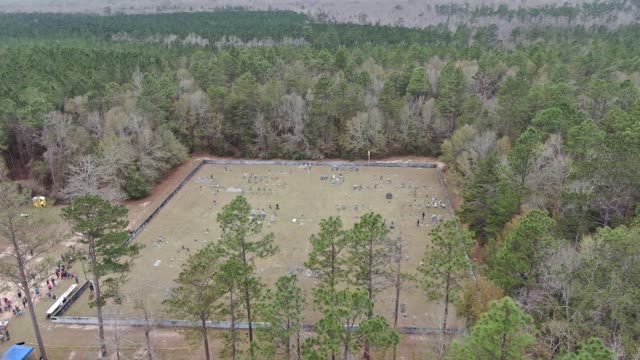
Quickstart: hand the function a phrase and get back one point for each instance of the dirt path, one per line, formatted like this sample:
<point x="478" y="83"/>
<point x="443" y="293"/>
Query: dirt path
<point x="140" y="209"/>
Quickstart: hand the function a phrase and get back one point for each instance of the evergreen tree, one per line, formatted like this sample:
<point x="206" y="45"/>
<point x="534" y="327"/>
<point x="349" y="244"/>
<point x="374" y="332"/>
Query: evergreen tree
<point x="418" y="83"/>
<point x="346" y="324"/>
<point x="104" y="234"/>
<point x="370" y="255"/>
<point x="282" y="311"/>
<point x="451" y="95"/>
<point x="511" y="110"/>
<point x="238" y="226"/>
<point x="523" y="156"/>
<point x="592" y="349"/>
<point x="196" y="293"/>
<point x="489" y="200"/>
<point x="235" y="280"/>
<point x="445" y="265"/>
<point x="325" y="258"/>
<point x="516" y="263"/>
<point x="503" y="332"/>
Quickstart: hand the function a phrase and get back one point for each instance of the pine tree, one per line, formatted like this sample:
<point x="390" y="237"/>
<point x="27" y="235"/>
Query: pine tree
<point x="235" y="281"/>
<point x="504" y="332"/>
<point x="196" y="293"/>
<point x="325" y="258"/>
<point x="592" y="349"/>
<point x="445" y="265"/>
<point x="282" y="311"/>
<point x="451" y="95"/>
<point x="490" y="201"/>
<point x="370" y="258"/>
<point x="103" y="229"/>
<point x="238" y="226"/>
<point x="523" y="156"/>
<point x="346" y="323"/>
<point x="516" y="263"/>
<point x="419" y="82"/>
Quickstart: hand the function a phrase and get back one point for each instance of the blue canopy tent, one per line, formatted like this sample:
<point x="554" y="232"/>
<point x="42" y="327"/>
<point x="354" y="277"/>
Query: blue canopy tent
<point x="17" y="352"/>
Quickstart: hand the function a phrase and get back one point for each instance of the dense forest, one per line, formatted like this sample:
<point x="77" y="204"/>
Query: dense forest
<point x="539" y="130"/>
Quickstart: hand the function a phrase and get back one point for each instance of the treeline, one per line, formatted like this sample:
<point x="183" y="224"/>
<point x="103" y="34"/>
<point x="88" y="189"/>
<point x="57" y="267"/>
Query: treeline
<point x="242" y="24"/>
<point x="568" y="12"/>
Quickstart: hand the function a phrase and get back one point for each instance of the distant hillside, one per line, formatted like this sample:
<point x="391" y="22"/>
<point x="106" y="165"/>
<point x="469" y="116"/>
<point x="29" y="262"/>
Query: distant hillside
<point x="410" y="13"/>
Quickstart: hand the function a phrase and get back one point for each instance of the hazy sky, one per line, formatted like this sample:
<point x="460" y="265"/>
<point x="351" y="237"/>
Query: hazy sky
<point x="418" y="13"/>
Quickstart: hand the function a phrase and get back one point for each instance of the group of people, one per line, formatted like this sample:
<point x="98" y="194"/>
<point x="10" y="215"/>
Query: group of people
<point x="9" y="306"/>
<point x="60" y="273"/>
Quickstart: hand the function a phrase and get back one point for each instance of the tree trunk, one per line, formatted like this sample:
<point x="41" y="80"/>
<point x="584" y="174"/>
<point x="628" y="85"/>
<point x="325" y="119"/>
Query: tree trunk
<point x="347" y="339"/>
<point x="103" y="344"/>
<point x="96" y="285"/>
<point x="24" y="282"/>
<point x="205" y="335"/>
<point x="503" y="348"/>
<point x="333" y="285"/>
<point x="233" y="325"/>
<point x="367" y="347"/>
<point x="298" y="351"/>
<point x="398" y="285"/>
<point x="147" y="332"/>
<point x="53" y="174"/>
<point x="32" y="314"/>
<point x="248" y="303"/>
<point x="117" y="339"/>
<point x="288" y="352"/>
<point x="446" y="313"/>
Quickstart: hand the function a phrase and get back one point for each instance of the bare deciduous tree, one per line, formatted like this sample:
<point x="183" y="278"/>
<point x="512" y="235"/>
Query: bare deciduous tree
<point x="549" y="180"/>
<point x="94" y="124"/>
<point x="550" y="301"/>
<point x="88" y="177"/>
<point x="137" y="78"/>
<point x="62" y="140"/>
<point x="365" y="132"/>
<point x="291" y="118"/>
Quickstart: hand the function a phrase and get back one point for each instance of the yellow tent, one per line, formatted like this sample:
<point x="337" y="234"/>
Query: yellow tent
<point x="39" y="201"/>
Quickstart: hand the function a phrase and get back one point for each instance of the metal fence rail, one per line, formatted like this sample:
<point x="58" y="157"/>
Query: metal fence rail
<point x="155" y="212"/>
<point x="76" y="320"/>
<point x="74" y="296"/>
<point x="322" y="163"/>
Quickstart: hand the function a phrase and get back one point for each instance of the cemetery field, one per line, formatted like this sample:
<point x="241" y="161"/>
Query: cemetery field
<point x="303" y="196"/>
